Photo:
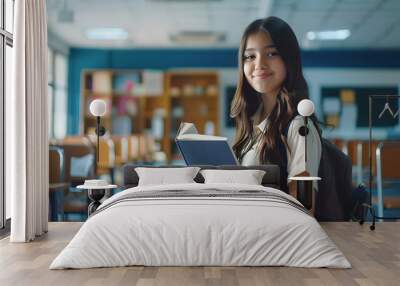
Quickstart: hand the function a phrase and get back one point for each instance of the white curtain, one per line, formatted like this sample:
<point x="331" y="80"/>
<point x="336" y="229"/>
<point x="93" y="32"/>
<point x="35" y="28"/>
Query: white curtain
<point x="26" y="124"/>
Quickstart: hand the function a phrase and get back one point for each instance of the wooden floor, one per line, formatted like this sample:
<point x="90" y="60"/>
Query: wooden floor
<point x="375" y="257"/>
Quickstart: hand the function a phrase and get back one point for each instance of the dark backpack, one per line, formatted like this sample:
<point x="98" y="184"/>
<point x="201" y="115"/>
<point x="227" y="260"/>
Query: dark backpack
<point x="333" y="200"/>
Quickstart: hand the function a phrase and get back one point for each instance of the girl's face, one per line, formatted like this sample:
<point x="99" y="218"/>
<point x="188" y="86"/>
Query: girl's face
<point x="263" y="67"/>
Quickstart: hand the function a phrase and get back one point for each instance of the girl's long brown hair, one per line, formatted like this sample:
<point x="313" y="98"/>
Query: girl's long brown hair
<point x="246" y="100"/>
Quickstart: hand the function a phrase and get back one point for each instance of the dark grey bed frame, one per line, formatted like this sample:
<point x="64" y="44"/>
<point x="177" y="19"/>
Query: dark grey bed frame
<point x="270" y="179"/>
<point x="131" y="179"/>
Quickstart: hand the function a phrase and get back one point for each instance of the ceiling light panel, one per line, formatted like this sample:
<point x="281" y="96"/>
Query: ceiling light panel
<point x="106" y="34"/>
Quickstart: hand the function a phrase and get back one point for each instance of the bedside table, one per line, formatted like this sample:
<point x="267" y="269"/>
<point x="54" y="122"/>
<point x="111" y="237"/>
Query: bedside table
<point x="95" y="194"/>
<point x="304" y="190"/>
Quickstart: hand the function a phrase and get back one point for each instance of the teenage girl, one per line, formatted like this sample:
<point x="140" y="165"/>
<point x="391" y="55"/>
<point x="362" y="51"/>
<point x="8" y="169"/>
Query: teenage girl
<point x="270" y="85"/>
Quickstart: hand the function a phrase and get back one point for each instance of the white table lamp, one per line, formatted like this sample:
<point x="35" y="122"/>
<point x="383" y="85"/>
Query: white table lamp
<point x="305" y="109"/>
<point x="304" y="184"/>
<point x="98" y="108"/>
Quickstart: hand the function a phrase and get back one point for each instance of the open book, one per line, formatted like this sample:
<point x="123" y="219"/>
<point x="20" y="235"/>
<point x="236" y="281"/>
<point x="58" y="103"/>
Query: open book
<point x="199" y="149"/>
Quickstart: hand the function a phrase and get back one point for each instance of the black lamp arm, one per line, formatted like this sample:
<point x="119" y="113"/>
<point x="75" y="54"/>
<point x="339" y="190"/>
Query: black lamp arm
<point x="303" y="130"/>
<point x="100" y="131"/>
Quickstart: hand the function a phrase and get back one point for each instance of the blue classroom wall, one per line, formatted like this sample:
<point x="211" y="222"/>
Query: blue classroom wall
<point x="162" y="59"/>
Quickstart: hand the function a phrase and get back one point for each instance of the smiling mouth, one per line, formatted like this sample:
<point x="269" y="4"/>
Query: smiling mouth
<point x="261" y="76"/>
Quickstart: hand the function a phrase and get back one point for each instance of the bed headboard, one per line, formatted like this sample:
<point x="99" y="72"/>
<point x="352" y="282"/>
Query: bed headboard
<point x="270" y="179"/>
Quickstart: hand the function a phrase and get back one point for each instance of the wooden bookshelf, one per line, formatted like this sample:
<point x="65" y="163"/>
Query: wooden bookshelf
<point x="194" y="97"/>
<point x="133" y="102"/>
<point x="130" y="100"/>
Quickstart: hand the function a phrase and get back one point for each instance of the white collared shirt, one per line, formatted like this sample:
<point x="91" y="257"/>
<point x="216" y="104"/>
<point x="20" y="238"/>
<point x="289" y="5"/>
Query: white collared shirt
<point x="296" y="158"/>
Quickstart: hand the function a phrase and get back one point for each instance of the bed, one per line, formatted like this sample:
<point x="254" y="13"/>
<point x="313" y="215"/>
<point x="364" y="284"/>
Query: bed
<point x="201" y="224"/>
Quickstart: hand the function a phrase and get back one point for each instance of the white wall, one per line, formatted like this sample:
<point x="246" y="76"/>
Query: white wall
<point x="56" y="43"/>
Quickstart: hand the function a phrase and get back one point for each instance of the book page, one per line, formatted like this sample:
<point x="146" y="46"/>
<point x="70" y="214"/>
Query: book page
<point x="187" y="131"/>
<point x="201" y="137"/>
<point x="186" y="128"/>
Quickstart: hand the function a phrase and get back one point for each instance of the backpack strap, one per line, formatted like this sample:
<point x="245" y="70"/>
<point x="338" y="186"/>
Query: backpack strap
<point x="283" y="164"/>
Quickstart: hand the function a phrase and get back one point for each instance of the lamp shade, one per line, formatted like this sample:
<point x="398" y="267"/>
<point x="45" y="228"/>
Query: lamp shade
<point x="98" y="107"/>
<point x="305" y="107"/>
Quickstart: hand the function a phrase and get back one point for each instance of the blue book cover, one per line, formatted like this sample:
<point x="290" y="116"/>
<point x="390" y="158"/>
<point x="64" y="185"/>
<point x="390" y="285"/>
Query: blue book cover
<point x="198" y="149"/>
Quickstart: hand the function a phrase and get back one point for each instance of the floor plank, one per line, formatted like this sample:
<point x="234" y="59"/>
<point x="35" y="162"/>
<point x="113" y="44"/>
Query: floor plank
<point x="375" y="257"/>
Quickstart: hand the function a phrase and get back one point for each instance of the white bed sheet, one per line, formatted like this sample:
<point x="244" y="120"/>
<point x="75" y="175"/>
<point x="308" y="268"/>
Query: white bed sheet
<point x="200" y="231"/>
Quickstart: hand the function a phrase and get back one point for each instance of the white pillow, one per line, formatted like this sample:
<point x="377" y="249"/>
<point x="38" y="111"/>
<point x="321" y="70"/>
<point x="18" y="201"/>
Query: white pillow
<point x="248" y="177"/>
<point x="163" y="176"/>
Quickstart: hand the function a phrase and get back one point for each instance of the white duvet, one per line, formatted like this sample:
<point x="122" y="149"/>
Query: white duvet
<point x="200" y="231"/>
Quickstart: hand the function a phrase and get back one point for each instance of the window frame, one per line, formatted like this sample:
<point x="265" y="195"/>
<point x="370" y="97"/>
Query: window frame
<point x="6" y="39"/>
<point x="56" y="87"/>
<point x="51" y="85"/>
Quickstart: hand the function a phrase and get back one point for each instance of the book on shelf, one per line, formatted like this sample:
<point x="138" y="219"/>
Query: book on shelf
<point x="200" y="149"/>
<point x="102" y="82"/>
<point x="121" y="125"/>
<point x="153" y="82"/>
<point x="126" y="82"/>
